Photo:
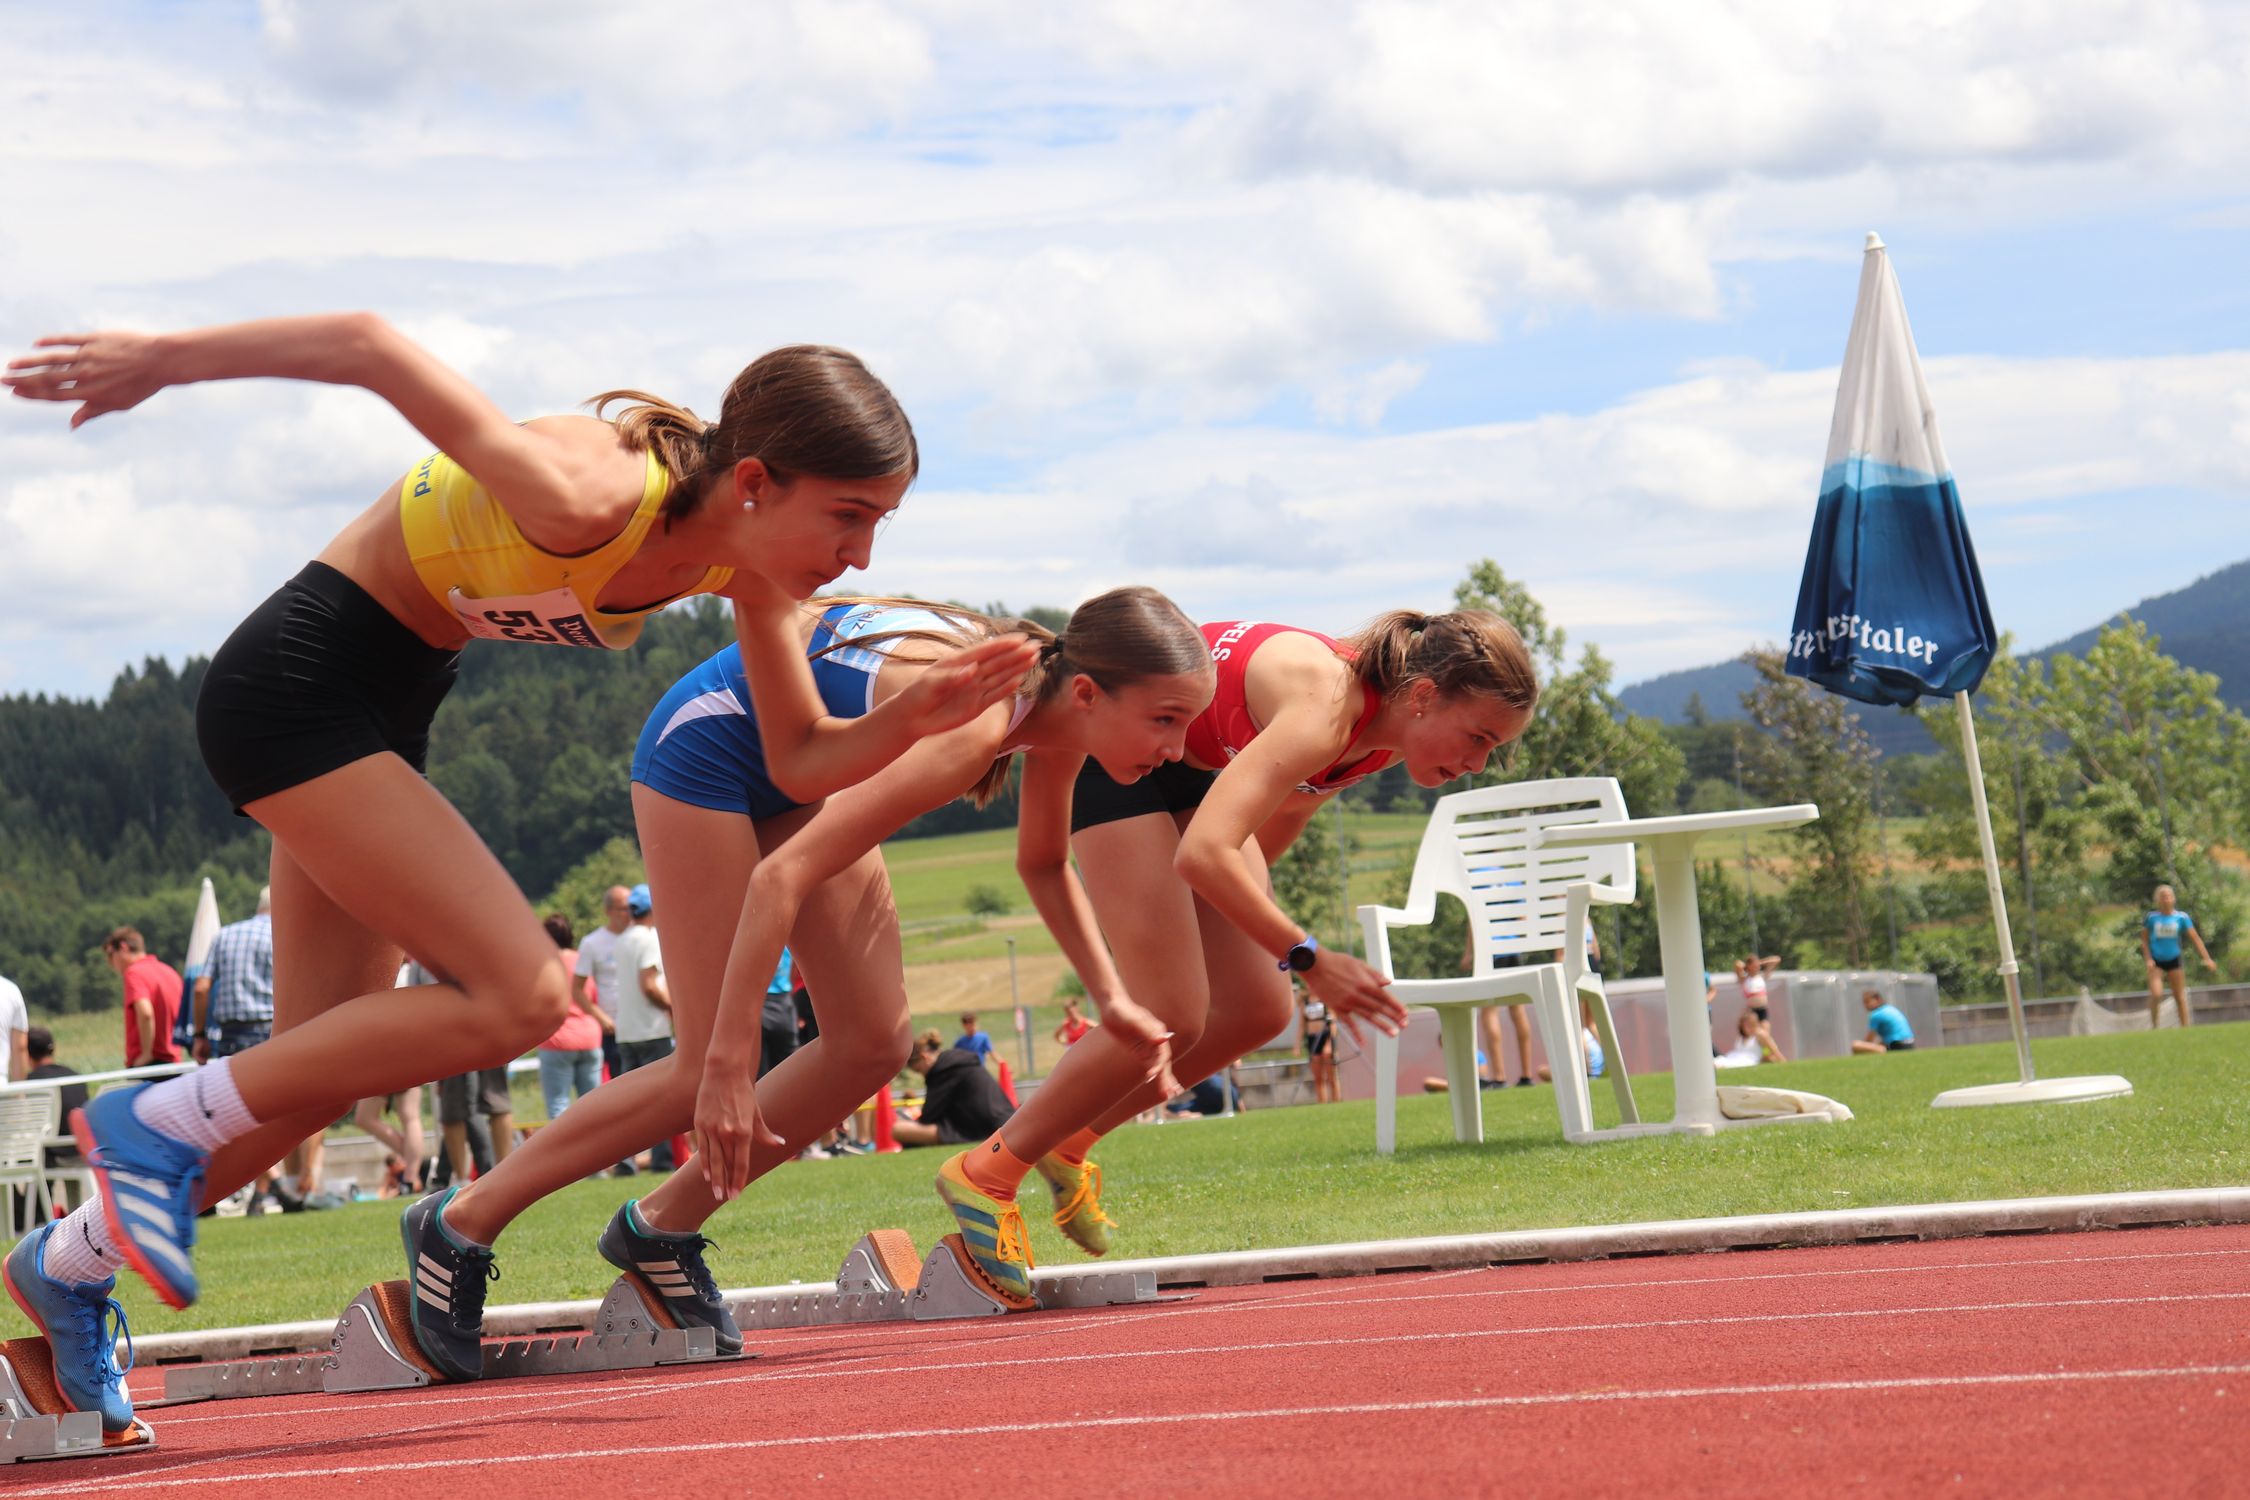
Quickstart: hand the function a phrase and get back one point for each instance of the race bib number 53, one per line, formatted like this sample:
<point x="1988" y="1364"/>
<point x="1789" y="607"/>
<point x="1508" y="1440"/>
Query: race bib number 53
<point x="554" y="618"/>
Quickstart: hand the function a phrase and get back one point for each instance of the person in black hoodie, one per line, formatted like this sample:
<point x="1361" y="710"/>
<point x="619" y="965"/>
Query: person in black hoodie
<point x="962" y="1102"/>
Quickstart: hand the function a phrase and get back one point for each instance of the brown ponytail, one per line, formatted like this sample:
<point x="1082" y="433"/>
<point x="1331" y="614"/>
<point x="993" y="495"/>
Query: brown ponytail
<point x="806" y="409"/>
<point x="1118" y="638"/>
<point x="1463" y="652"/>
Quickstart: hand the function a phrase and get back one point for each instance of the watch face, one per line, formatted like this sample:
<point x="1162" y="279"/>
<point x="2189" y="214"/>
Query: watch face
<point x="1301" y="957"/>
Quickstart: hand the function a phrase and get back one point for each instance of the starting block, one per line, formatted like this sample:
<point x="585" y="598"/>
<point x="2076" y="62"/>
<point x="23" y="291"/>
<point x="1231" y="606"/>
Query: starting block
<point x="951" y="1286"/>
<point x="373" y="1349"/>
<point x="34" y="1422"/>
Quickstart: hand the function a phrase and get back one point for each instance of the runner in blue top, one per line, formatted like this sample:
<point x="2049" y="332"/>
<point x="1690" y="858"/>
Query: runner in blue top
<point x="2161" y="931"/>
<point x="1887" y="1030"/>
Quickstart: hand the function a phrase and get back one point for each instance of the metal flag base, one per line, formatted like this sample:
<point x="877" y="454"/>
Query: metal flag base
<point x="2036" y="1091"/>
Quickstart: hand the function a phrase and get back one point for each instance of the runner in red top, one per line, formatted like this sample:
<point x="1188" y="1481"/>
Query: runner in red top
<point x="1176" y="866"/>
<point x="1220" y="731"/>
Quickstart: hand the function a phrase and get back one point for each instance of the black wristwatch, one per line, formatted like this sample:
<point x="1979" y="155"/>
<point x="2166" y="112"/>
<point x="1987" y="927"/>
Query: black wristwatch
<point x="1301" y="957"/>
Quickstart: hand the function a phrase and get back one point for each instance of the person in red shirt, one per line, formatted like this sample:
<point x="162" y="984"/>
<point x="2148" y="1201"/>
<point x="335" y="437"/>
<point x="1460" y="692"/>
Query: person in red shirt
<point x="152" y="998"/>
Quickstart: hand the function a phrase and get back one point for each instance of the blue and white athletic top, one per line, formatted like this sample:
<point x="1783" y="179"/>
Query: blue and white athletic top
<point x="700" y="745"/>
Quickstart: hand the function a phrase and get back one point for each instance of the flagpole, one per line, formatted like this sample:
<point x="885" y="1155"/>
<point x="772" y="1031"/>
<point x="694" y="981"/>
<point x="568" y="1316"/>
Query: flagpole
<point x="1992" y="885"/>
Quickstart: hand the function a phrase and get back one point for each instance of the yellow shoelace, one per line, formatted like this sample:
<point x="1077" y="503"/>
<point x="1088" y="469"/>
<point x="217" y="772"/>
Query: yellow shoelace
<point x="1089" y="1186"/>
<point x="1013" y="1244"/>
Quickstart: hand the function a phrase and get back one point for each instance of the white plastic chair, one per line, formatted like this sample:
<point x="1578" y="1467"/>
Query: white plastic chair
<point x="26" y="1120"/>
<point x="1520" y="901"/>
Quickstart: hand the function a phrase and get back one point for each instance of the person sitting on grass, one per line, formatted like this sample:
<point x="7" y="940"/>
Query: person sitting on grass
<point x="1753" y="1042"/>
<point x="961" y="1101"/>
<point x="2160" y="950"/>
<point x="1887" y="1030"/>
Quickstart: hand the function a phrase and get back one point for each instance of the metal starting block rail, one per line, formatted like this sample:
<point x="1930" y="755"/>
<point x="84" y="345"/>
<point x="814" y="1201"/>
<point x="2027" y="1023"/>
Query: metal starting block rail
<point x="373" y="1350"/>
<point x="883" y="1279"/>
<point x="36" y="1425"/>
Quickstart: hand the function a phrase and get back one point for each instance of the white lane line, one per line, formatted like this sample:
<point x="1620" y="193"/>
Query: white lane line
<point x="856" y="1352"/>
<point x="1453" y="1335"/>
<point x="1677" y="1281"/>
<point x="1272" y="1346"/>
<point x="2003" y="1380"/>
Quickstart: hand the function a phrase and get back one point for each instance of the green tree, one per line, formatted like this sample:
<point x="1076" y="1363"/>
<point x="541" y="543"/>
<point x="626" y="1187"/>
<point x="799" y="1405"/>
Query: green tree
<point x="1813" y="750"/>
<point x="578" y="895"/>
<point x="987" y="901"/>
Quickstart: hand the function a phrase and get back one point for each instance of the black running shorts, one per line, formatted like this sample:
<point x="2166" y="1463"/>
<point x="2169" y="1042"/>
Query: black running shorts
<point x="1174" y="787"/>
<point x="319" y="676"/>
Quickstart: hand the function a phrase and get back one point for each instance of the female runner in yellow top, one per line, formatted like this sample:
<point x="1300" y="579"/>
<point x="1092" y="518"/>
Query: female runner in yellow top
<point x="314" y="718"/>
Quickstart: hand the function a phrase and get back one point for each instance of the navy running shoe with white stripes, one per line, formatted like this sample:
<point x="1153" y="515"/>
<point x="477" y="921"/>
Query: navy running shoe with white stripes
<point x="446" y="1276"/>
<point x="82" y="1325"/>
<point x="670" y="1268"/>
<point x="150" y="1183"/>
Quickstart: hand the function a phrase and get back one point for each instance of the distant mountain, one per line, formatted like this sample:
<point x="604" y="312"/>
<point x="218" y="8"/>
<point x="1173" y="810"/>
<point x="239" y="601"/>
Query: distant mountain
<point x="2205" y="626"/>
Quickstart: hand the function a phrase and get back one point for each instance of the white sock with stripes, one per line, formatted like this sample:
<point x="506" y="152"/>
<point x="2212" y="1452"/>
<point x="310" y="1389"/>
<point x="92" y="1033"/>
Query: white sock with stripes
<point x="80" y="1249"/>
<point x="202" y="1108"/>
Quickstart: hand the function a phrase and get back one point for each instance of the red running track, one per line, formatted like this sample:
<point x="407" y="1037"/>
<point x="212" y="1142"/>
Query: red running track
<point x="2109" y="1364"/>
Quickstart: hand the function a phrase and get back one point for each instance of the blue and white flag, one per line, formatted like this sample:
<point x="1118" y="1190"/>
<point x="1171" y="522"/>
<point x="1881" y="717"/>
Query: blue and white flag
<point x="1891" y="607"/>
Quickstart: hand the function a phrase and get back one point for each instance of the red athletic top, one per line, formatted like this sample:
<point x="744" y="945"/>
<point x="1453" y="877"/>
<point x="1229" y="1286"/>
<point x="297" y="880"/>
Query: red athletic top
<point x="1221" y="731"/>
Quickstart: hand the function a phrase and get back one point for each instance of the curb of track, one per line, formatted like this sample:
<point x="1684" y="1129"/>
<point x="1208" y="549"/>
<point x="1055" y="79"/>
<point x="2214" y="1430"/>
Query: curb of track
<point x="1923" y="1221"/>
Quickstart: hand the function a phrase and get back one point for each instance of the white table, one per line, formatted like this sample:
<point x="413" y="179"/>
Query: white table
<point x="1679" y="930"/>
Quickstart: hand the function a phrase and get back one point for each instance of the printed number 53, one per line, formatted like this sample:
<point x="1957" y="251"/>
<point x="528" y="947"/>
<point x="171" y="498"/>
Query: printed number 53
<point x="519" y="625"/>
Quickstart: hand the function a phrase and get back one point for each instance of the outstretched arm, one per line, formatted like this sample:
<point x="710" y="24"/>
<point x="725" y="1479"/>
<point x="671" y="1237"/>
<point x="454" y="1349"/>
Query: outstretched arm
<point x="810" y="753"/>
<point x="930" y="775"/>
<point x="535" y="478"/>
<point x="1043" y="863"/>
<point x="1251" y="793"/>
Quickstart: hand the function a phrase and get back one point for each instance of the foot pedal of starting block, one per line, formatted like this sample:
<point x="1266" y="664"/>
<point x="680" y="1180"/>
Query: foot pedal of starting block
<point x="884" y="1260"/>
<point x="36" y="1425"/>
<point x="374" y="1348"/>
<point x="951" y="1286"/>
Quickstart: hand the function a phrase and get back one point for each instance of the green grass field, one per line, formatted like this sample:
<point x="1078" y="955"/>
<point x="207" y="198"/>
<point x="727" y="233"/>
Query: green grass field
<point x="1309" y="1175"/>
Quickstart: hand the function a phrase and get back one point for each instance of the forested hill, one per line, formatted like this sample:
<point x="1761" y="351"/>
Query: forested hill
<point x="2205" y="625"/>
<point x="107" y="815"/>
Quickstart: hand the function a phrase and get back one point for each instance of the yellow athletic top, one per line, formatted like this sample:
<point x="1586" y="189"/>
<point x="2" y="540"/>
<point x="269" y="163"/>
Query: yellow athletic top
<point x="476" y="561"/>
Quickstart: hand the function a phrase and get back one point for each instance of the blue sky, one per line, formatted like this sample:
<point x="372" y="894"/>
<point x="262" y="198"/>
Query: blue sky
<point x="1292" y="332"/>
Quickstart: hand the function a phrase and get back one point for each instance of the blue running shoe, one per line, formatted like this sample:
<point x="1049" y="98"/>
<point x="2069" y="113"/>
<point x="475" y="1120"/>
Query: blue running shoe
<point x="670" y="1268"/>
<point x="151" y="1186"/>
<point x="445" y="1275"/>
<point x="82" y="1325"/>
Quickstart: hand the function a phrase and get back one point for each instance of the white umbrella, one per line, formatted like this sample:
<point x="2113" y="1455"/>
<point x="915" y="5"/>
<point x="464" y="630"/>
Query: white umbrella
<point x="1892" y="608"/>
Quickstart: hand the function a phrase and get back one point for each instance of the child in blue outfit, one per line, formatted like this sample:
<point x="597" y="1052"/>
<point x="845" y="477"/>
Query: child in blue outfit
<point x="1887" y="1030"/>
<point x="2161" y="931"/>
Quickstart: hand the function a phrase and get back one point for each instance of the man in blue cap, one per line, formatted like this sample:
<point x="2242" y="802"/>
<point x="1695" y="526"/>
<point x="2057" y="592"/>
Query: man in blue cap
<point x="644" y="1004"/>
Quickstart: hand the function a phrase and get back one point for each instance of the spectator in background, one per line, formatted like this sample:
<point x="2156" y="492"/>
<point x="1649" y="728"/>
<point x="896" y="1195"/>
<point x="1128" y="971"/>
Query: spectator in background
<point x="1316" y="1032"/>
<point x="1750" y="973"/>
<point x="777" y="1023"/>
<point x="1887" y="1030"/>
<point x="644" y="1004"/>
<point x="39" y="1051"/>
<point x="233" y="1001"/>
<point x="461" y="1098"/>
<point x="152" y="998"/>
<point x="1074" y="1025"/>
<point x="594" y="985"/>
<point x="1753" y="1043"/>
<point x="972" y="1041"/>
<point x="406" y="1144"/>
<point x="961" y="1101"/>
<point x="15" y="1030"/>
<point x="1488" y="1023"/>
<point x="2160" y="949"/>
<point x="234" y="994"/>
<point x="570" y="1061"/>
